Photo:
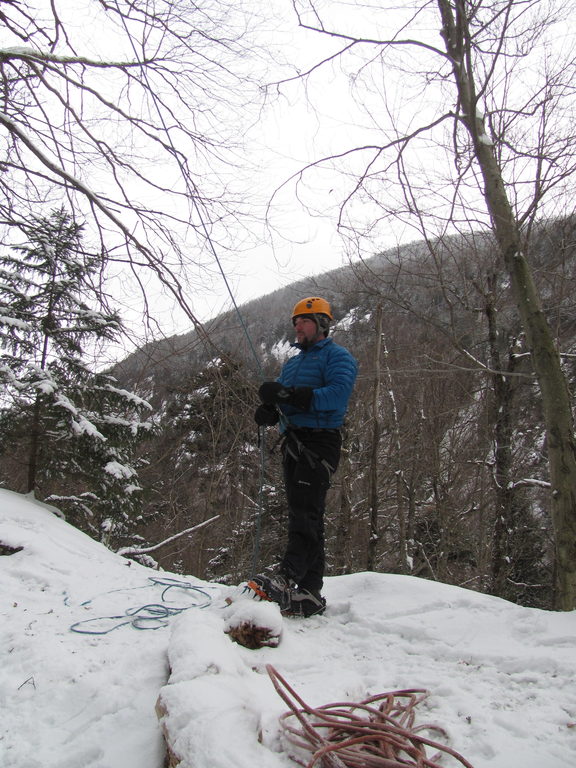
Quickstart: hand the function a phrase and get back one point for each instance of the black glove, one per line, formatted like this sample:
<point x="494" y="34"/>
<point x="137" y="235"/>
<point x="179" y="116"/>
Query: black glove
<point x="266" y="416"/>
<point x="274" y="393"/>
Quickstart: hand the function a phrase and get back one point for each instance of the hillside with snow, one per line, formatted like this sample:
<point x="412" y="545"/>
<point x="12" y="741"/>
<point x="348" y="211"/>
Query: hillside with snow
<point x="88" y="639"/>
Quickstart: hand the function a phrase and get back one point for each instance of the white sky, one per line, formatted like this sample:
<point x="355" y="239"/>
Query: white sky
<point x="298" y="126"/>
<point x="500" y="677"/>
<point x="294" y="133"/>
<point x="287" y="134"/>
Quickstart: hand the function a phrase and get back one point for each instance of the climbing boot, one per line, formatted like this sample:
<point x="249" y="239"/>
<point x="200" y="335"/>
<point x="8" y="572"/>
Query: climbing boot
<point x="276" y="587"/>
<point x="304" y="603"/>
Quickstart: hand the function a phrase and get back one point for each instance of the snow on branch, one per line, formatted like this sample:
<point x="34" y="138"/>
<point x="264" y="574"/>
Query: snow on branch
<point x="130" y="396"/>
<point x="527" y="481"/>
<point x="30" y="54"/>
<point x="119" y="471"/>
<point x="144" y="550"/>
<point x="14" y="323"/>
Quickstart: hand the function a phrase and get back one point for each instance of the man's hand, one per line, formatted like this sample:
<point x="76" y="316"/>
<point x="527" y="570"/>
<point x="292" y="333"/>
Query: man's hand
<point x="266" y="416"/>
<point x="274" y="393"/>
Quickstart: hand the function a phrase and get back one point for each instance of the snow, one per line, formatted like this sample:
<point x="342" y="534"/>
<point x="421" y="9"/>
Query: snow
<point x="19" y="50"/>
<point x="14" y="323"/>
<point x="88" y="640"/>
<point x="282" y="350"/>
<point x="485" y="139"/>
<point x="120" y="471"/>
<point x="130" y="396"/>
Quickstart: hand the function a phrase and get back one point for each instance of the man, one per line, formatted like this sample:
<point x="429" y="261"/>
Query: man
<point x="309" y="399"/>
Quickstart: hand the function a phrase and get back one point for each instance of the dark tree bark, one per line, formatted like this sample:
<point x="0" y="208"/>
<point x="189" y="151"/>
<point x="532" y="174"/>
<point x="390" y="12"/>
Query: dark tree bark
<point x="545" y="358"/>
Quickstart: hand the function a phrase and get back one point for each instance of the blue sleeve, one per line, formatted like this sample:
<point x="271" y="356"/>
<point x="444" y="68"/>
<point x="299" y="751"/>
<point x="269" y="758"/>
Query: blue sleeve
<point x="340" y="376"/>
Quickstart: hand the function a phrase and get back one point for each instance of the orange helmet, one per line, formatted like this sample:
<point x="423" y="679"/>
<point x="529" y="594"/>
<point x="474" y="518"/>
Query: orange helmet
<point x="313" y="305"/>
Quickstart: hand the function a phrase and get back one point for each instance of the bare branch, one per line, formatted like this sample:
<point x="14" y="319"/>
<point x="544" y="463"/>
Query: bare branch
<point x="124" y="551"/>
<point x="140" y="142"/>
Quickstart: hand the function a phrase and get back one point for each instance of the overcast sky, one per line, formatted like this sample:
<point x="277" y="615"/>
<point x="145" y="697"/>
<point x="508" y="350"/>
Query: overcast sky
<point x="298" y="126"/>
<point x="301" y="122"/>
<point x="324" y="117"/>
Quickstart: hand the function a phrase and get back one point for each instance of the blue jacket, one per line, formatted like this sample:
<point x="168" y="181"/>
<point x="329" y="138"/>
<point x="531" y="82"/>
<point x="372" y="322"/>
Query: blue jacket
<point x="331" y="372"/>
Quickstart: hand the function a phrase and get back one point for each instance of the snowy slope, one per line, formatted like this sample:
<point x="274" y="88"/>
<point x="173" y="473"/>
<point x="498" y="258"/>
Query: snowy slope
<point x="501" y="677"/>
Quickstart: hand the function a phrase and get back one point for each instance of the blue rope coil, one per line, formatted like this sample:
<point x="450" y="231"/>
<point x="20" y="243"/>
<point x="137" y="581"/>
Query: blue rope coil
<point x="150" y="616"/>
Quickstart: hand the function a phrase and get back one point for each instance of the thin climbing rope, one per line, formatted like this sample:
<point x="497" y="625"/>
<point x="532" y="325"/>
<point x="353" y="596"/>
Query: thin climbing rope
<point x="150" y="616"/>
<point x="258" y="531"/>
<point x="379" y="732"/>
<point x="226" y="282"/>
<point x="261" y="431"/>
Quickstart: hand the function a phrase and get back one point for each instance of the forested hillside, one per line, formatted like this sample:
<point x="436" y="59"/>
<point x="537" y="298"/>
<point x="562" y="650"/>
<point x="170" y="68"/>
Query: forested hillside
<point x="142" y="164"/>
<point x="444" y="472"/>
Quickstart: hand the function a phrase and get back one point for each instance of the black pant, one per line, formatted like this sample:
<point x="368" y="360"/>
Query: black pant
<point x="310" y="457"/>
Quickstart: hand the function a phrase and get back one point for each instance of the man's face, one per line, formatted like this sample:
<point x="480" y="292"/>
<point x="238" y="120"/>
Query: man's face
<point x="306" y="330"/>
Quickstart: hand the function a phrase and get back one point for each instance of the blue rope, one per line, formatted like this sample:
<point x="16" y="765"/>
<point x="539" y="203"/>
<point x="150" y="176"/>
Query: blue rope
<point x="151" y="616"/>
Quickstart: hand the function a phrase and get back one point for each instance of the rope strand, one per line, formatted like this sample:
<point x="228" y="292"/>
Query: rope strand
<point x="150" y="616"/>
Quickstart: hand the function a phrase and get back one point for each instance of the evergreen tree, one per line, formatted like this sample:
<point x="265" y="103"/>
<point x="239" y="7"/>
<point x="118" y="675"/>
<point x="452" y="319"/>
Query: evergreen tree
<point x="71" y="427"/>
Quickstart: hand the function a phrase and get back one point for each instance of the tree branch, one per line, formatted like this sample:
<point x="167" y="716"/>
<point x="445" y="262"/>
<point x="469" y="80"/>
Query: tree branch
<point x="124" y="551"/>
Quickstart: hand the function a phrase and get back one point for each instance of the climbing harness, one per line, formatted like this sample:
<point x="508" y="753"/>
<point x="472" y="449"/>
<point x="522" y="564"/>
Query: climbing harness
<point x="150" y="616"/>
<point x="300" y="450"/>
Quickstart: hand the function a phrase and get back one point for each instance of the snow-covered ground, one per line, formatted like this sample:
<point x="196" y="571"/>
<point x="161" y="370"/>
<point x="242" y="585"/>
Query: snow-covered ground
<point x="80" y="678"/>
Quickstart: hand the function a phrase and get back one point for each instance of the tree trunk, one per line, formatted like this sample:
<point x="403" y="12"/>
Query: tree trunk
<point x="34" y="447"/>
<point x="545" y="359"/>
<point x="373" y="539"/>
<point x="343" y="540"/>
<point x="503" y="524"/>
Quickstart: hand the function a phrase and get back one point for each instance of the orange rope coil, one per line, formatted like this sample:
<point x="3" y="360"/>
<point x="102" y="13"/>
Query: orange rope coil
<point x="378" y="732"/>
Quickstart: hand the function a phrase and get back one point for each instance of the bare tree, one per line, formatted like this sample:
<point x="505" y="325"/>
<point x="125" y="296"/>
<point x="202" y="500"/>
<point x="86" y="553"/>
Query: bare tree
<point x="132" y="120"/>
<point x="477" y="133"/>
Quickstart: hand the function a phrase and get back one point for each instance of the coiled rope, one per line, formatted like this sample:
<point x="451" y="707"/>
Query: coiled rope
<point x="378" y="732"/>
<point x="150" y="616"/>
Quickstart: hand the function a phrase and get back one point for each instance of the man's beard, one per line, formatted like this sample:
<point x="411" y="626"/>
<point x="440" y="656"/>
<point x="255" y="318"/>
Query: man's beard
<point x="307" y="343"/>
